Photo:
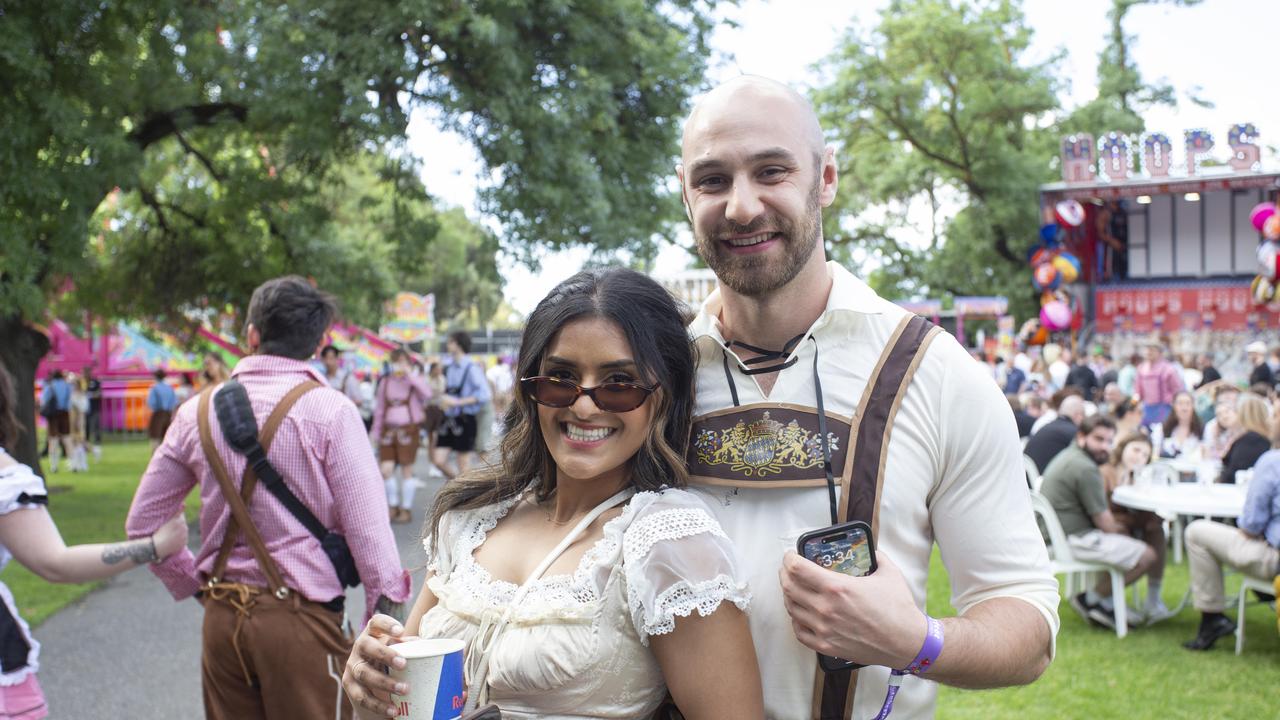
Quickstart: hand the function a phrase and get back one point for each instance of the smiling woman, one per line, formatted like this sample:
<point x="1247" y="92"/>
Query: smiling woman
<point x="579" y="553"/>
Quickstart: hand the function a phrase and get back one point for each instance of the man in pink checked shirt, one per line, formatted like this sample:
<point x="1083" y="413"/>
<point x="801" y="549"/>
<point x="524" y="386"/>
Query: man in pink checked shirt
<point x="272" y="653"/>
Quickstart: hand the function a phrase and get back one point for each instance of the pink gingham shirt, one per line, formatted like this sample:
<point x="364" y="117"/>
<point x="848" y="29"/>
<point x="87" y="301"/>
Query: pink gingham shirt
<point x="409" y="392"/>
<point x="324" y="455"/>
<point x="1157" y="384"/>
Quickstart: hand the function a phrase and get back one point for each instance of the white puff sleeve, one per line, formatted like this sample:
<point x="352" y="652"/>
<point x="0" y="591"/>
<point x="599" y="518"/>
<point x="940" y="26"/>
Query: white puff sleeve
<point x="677" y="559"/>
<point x="20" y="488"/>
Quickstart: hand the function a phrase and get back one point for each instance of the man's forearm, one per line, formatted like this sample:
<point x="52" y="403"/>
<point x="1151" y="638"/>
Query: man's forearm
<point x="999" y="642"/>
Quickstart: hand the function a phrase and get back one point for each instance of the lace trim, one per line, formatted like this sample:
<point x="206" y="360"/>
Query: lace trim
<point x="665" y="525"/>
<point x="681" y="599"/>
<point x="549" y="592"/>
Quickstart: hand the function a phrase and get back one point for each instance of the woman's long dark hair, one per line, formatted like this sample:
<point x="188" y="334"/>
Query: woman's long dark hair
<point x="652" y="321"/>
<point x="10" y="428"/>
<point x="1171" y="421"/>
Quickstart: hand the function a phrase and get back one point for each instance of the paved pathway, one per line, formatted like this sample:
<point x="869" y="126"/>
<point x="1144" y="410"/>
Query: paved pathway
<point x="129" y="651"/>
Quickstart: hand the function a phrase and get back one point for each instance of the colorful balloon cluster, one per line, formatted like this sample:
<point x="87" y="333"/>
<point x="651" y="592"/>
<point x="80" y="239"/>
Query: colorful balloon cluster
<point x="1266" y="220"/>
<point x="1052" y="267"/>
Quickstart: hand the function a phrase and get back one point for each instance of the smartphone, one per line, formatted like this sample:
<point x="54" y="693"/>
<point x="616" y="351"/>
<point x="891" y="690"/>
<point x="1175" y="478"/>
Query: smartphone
<point x="845" y="548"/>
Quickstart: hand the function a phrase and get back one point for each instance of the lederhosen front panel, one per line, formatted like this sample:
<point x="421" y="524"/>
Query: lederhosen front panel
<point x="765" y="445"/>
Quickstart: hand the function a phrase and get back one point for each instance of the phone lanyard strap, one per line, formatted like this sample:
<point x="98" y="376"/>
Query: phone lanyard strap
<point x="823" y="439"/>
<point x="923" y="661"/>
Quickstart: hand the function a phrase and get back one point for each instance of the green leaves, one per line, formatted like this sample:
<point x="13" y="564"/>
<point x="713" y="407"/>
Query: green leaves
<point x="230" y="126"/>
<point x="936" y="114"/>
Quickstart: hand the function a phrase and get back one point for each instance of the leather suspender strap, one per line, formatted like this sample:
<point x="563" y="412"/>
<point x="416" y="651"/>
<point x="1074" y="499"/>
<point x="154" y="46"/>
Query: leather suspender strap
<point x="863" y="480"/>
<point x="238" y="501"/>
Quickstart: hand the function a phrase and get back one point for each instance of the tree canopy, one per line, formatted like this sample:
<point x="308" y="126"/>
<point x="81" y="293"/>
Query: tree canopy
<point x="226" y="127"/>
<point x="938" y="105"/>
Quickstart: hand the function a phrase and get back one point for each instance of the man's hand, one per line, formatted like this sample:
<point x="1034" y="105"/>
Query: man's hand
<point x="871" y="620"/>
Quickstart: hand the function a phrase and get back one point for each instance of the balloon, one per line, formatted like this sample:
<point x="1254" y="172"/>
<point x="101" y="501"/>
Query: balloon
<point x="1267" y="254"/>
<point x="1068" y="266"/>
<point x="1271" y="228"/>
<point x="1039" y="256"/>
<point x="1046" y="276"/>
<point x="1049" y="233"/>
<point x="1040" y="337"/>
<point x="1047" y="297"/>
<point x="1260" y="213"/>
<point x="1055" y="316"/>
<point x="1263" y="290"/>
<point x="1069" y="213"/>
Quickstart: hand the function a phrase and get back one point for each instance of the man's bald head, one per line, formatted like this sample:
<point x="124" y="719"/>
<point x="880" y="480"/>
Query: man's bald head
<point x="753" y="94"/>
<point x="1072" y="408"/>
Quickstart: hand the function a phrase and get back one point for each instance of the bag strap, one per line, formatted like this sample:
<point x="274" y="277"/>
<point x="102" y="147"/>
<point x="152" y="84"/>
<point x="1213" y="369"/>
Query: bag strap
<point x="262" y="467"/>
<point x="486" y="639"/>
<point x="250" y="478"/>
<point x="240" y="518"/>
<point x="863" y="484"/>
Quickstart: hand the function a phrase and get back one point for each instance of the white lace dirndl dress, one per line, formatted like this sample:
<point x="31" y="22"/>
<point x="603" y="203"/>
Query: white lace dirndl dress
<point x="577" y="645"/>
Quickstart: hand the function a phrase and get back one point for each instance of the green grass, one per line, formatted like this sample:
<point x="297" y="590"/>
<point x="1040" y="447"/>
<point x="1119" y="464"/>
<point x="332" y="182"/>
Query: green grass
<point x="1095" y="675"/>
<point x="1145" y="675"/>
<point x="87" y="507"/>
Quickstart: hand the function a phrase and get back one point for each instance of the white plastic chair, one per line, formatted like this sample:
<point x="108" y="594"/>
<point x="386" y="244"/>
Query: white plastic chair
<point x="1247" y="583"/>
<point x="1065" y="563"/>
<point x="1034" y="480"/>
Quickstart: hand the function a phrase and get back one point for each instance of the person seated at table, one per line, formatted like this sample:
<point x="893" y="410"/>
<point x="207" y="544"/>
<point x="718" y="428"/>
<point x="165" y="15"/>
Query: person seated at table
<point x="1221" y="430"/>
<point x="1130" y="455"/>
<point x="1182" y="429"/>
<point x="1055" y="436"/>
<point x="1127" y="415"/>
<point x="1073" y="486"/>
<point x="1020" y="415"/>
<point x="1112" y="396"/>
<point x="1252" y="547"/>
<point x="1251" y="442"/>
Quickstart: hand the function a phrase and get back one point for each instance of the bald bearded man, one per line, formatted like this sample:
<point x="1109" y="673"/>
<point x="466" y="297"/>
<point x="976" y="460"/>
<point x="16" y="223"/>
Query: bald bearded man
<point x="818" y="402"/>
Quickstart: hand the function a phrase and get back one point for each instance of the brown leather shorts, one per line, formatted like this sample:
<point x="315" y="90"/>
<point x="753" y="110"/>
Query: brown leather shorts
<point x="399" y="444"/>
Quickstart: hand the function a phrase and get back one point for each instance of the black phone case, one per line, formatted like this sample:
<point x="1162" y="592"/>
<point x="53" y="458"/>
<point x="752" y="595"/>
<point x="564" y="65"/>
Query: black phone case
<point x="826" y="662"/>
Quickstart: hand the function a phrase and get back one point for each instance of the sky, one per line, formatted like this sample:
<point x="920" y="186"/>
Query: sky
<point x="1217" y="51"/>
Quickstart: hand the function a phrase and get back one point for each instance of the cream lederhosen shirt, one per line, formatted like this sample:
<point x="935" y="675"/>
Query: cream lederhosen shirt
<point x="954" y="475"/>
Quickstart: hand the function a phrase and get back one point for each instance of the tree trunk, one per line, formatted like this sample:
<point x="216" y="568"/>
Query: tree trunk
<point x="21" y="348"/>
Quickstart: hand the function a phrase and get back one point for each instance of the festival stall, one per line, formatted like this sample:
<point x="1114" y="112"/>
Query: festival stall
<point x="1138" y="247"/>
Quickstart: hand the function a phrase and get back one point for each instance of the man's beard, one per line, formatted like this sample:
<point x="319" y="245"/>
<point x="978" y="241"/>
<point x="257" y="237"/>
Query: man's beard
<point x="754" y="275"/>
<point x="1099" y="458"/>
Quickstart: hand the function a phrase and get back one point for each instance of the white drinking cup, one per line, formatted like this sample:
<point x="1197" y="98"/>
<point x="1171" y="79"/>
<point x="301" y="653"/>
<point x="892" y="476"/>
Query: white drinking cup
<point x="433" y="673"/>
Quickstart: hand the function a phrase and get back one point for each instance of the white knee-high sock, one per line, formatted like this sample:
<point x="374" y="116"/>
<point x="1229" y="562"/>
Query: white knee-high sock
<point x="392" y="484"/>
<point x="406" y="494"/>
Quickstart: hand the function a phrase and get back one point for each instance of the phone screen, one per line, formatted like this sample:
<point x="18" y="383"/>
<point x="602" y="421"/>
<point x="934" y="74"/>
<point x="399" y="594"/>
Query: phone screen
<point x="845" y="552"/>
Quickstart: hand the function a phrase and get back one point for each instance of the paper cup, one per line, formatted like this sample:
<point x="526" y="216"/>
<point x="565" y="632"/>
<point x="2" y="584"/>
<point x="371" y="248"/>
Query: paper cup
<point x="433" y="672"/>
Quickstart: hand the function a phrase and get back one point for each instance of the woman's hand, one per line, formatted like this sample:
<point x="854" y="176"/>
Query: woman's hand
<point x="365" y="680"/>
<point x="172" y="536"/>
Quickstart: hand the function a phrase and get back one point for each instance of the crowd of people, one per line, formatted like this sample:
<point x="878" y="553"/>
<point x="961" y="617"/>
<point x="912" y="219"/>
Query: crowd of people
<point x="1090" y="426"/>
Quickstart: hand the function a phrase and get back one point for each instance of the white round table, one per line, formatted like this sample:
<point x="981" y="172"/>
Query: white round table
<point x="1216" y="500"/>
<point x="1179" y="499"/>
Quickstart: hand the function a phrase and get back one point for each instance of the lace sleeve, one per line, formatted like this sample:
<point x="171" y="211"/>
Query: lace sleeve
<point x="677" y="560"/>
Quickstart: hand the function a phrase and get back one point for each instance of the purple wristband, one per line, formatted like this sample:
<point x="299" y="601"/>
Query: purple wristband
<point x="929" y="651"/>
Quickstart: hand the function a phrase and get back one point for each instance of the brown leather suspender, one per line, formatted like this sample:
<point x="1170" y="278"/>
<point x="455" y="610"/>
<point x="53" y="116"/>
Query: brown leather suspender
<point x="863" y="479"/>
<point x="238" y="501"/>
